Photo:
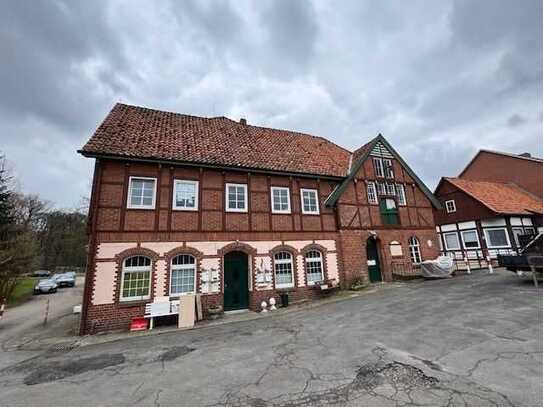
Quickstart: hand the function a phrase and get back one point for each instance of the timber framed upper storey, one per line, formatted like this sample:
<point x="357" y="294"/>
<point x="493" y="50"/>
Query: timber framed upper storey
<point x="179" y="202"/>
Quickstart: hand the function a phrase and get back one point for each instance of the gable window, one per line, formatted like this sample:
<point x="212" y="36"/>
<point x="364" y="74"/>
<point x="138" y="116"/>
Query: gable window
<point x="450" y="206"/>
<point x="497" y="238"/>
<point x="310" y="201"/>
<point x="283" y="267"/>
<point x="183" y="275"/>
<point x="372" y="193"/>
<point x="470" y="239"/>
<point x="136" y="278"/>
<point x="185" y="196"/>
<point x="389" y="211"/>
<point x="280" y="197"/>
<point x="141" y="193"/>
<point x="414" y="250"/>
<point x="400" y="193"/>
<point x="236" y="197"/>
<point x="378" y="165"/>
<point x="451" y="241"/>
<point x="313" y="267"/>
<point x="389" y="171"/>
<point x="391" y="190"/>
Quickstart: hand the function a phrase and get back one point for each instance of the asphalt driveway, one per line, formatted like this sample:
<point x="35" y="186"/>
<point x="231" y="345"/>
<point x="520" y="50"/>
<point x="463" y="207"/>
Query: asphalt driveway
<point x="472" y="340"/>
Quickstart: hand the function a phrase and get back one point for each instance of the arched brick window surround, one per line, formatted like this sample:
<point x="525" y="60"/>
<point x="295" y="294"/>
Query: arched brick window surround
<point x="119" y="260"/>
<point x="168" y="257"/>
<point x="294" y="253"/>
<point x="323" y="250"/>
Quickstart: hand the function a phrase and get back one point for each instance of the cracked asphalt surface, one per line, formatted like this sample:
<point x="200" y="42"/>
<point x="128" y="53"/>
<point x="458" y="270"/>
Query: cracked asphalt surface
<point x="469" y="341"/>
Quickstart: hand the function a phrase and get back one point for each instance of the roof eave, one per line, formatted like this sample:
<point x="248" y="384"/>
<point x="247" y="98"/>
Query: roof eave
<point x="90" y="154"/>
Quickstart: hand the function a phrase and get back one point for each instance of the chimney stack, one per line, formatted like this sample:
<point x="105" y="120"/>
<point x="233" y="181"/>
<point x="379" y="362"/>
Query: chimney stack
<point x="243" y="121"/>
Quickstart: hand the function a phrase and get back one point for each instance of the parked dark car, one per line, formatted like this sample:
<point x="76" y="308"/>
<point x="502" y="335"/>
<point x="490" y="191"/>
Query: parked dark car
<point x="64" y="279"/>
<point x="46" y="286"/>
<point x="41" y="273"/>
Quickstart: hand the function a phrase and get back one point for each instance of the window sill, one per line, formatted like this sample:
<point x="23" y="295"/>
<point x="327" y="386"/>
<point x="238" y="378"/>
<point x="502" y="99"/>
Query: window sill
<point x="132" y="303"/>
<point x="185" y="209"/>
<point x="311" y="213"/>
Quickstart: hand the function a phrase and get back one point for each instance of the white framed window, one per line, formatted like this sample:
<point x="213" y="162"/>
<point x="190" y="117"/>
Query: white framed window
<point x="381" y="189"/>
<point x="389" y="170"/>
<point x="284" y="270"/>
<point x="516" y="233"/>
<point x="372" y="193"/>
<point x="497" y="238"/>
<point x="280" y="199"/>
<point x="310" y="201"/>
<point x="451" y="241"/>
<point x="136" y="279"/>
<point x="313" y="267"/>
<point x="414" y="250"/>
<point x="185" y="195"/>
<point x="182" y="275"/>
<point x="391" y="189"/>
<point x="450" y="206"/>
<point x="141" y="193"/>
<point x="470" y="239"/>
<point x="236" y="197"/>
<point x="400" y="193"/>
<point x="378" y="165"/>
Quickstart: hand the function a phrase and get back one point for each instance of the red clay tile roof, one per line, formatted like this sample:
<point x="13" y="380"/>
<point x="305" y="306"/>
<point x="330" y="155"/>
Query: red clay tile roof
<point x="137" y="132"/>
<point x="500" y="197"/>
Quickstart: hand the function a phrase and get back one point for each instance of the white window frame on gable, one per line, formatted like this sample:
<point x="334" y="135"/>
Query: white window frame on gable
<point x="372" y="193"/>
<point x="389" y="170"/>
<point x="309" y="211"/>
<point x="236" y="200"/>
<point x="181" y="182"/>
<point x="129" y="203"/>
<point x="381" y="188"/>
<point x="378" y="166"/>
<point x="280" y="206"/>
<point x="400" y="192"/>
<point x="450" y="206"/>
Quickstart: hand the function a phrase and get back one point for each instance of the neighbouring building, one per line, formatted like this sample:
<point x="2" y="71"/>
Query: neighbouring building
<point x="240" y="213"/>
<point x="496" y="199"/>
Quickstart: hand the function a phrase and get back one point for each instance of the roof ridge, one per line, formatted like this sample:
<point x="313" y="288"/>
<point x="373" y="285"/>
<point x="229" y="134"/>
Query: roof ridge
<point x="512" y="155"/>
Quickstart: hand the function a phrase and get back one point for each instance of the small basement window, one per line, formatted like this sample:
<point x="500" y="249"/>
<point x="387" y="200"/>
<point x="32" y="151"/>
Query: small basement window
<point x="450" y="206"/>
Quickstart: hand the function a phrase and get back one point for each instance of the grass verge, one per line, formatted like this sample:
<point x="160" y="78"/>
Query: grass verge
<point x="23" y="290"/>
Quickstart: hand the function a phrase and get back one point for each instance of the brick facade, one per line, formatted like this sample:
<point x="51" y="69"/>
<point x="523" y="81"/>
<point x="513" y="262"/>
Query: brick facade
<point x="117" y="231"/>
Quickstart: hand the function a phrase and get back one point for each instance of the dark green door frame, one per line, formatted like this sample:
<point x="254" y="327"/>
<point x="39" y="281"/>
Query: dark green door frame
<point x="236" y="281"/>
<point x="374" y="265"/>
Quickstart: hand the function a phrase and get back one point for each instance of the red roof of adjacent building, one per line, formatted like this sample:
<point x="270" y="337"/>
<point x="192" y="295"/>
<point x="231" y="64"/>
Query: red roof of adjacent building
<point x="137" y="132"/>
<point x="502" y="198"/>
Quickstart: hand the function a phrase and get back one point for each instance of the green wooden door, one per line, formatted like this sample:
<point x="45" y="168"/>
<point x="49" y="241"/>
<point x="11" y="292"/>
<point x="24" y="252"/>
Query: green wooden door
<point x="374" y="269"/>
<point x="236" y="288"/>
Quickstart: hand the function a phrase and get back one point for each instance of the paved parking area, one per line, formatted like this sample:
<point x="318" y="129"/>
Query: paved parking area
<point x="472" y="340"/>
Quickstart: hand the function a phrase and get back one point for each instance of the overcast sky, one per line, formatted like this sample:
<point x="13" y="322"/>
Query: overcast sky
<point x="439" y="80"/>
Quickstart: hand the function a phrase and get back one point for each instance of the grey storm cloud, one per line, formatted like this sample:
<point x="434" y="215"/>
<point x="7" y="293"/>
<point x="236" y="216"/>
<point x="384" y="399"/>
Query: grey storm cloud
<point x="439" y="79"/>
